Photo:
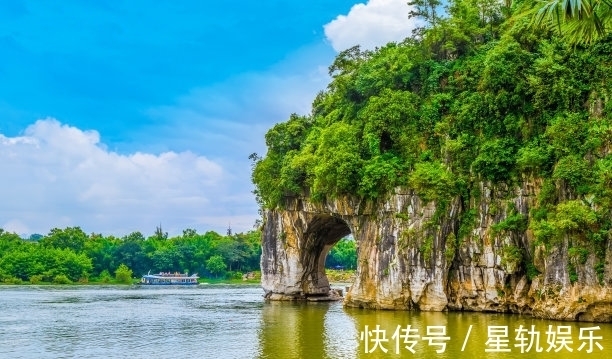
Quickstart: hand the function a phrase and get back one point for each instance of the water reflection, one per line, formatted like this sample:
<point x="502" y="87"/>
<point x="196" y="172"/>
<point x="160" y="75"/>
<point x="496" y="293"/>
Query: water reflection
<point x="212" y="322"/>
<point x="293" y="330"/>
<point x="489" y="334"/>
<point x="382" y="325"/>
<point x="327" y="330"/>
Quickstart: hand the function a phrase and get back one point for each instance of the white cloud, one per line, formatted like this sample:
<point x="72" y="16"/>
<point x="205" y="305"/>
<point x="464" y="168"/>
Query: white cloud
<point x="371" y="25"/>
<point x="57" y="175"/>
<point x="228" y="122"/>
<point x="15" y="226"/>
<point x="225" y="121"/>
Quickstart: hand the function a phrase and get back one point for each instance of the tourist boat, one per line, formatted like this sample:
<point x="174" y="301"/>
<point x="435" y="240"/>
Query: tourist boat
<point x="168" y="278"/>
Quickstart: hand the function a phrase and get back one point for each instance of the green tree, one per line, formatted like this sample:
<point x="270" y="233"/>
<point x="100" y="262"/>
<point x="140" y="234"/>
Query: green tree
<point x="74" y="265"/>
<point x="131" y="253"/>
<point x="579" y="21"/>
<point x="189" y="233"/>
<point x="428" y="10"/>
<point x="160" y="234"/>
<point x="433" y="182"/>
<point x="71" y="238"/>
<point x="61" y="279"/>
<point x="101" y="250"/>
<point x="136" y="236"/>
<point x="30" y="260"/>
<point x="216" y="265"/>
<point x="343" y="254"/>
<point x="166" y="259"/>
<point x="123" y="274"/>
<point x="9" y="241"/>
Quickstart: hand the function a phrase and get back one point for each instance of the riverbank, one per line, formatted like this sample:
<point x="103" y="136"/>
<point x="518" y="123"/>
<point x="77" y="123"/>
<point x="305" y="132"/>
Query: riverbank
<point x="253" y="278"/>
<point x="335" y="276"/>
<point x="340" y="276"/>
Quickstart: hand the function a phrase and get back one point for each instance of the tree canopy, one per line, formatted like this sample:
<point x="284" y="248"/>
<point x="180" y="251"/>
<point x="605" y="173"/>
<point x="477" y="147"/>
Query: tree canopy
<point x="479" y="95"/>
<point x="71" y="255"/>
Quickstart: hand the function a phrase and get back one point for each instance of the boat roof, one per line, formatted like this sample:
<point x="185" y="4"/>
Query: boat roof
<point x="171" y="275"/>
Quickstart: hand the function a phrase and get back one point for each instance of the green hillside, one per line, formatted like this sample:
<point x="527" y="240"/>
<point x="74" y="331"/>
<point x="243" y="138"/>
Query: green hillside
<point x="478" y="95"/>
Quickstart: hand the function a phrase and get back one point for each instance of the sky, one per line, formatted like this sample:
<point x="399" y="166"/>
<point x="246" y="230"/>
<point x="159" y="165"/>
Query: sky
<point x="121" y="116"/>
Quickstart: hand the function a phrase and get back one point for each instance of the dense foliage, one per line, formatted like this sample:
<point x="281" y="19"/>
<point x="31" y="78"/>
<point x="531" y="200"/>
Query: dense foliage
<point x="477" y="95"/>
<point x="70" y="255"/>
<point x="579" y="21"/>
<point x="343" y="255"/>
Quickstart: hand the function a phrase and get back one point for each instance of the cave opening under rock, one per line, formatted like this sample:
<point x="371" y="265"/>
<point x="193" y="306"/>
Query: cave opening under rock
<point x="323" y="232"/>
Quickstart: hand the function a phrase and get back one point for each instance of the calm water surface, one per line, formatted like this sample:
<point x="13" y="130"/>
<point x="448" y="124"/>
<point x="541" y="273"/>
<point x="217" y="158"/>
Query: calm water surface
<point x="218" y="321"/>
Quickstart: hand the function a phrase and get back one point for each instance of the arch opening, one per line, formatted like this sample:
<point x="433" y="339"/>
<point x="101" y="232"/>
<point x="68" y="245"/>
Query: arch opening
<point x="322" y="234"/>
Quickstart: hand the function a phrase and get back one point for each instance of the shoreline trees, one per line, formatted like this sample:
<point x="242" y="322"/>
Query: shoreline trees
<point x="71" y="255"/>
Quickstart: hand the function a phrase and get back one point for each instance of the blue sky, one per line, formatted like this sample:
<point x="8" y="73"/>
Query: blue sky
<point x="117" y="116"/>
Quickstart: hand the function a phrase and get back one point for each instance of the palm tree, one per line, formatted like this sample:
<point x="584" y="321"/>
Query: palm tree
<point x="579" y="21"/>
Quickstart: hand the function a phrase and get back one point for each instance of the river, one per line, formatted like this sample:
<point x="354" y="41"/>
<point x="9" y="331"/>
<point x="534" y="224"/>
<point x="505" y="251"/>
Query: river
<point x="233" y="321"/>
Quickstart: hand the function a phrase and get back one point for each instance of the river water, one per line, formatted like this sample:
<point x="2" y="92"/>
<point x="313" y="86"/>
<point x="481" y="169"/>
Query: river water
<point x="223" y="321"/>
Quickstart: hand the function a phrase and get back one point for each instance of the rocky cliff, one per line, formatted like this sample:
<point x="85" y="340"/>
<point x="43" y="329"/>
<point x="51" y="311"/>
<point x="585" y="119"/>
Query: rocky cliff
<point x="479" y="255"/>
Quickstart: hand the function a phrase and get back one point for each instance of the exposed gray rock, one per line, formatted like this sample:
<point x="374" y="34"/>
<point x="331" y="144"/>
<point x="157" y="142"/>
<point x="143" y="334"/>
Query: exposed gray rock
<point x="413" y="255"/>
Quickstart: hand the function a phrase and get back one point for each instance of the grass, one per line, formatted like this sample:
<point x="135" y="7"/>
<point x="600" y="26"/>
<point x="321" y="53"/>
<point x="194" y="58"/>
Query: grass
<point x="333" y="275"/>
<point x="340" y="276"/>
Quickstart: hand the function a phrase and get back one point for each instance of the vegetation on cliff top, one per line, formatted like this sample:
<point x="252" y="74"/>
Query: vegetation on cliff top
<point x="477" y="95"/>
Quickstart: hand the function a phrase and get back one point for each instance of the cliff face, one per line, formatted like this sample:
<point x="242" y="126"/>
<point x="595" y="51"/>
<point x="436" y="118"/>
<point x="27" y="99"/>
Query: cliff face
<point x="454" y="256"/>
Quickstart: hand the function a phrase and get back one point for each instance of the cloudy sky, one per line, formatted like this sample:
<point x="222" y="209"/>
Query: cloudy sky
<point x="118" y="116"/>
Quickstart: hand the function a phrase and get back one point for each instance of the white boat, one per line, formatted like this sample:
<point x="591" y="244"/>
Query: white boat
<point x="168" y="278"/>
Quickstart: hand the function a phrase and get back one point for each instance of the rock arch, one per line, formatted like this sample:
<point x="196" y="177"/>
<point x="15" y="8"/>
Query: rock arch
<point x="413" y="255"/>
<point x="390" y="275"/>
<point x="294" y="251"/>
